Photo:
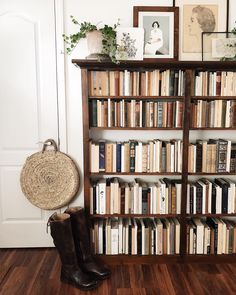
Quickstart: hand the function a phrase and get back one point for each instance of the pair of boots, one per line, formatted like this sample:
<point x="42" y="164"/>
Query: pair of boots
<point x="70" y="235"/>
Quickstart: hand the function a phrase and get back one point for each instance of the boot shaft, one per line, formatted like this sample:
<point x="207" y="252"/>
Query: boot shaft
<point x="61" y="232"/>
<point x="80" y="229"/>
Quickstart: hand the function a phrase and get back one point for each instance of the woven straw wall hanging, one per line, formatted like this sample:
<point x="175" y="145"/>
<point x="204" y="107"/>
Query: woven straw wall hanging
<point x="49" y="179"/>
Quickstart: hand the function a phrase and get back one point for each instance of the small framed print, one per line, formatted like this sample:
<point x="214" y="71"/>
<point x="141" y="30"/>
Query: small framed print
<point x="161" y="31"/>
<point x="130" y="43"/>
<point x="222" y="47"/>
<point x="197" y="17"/>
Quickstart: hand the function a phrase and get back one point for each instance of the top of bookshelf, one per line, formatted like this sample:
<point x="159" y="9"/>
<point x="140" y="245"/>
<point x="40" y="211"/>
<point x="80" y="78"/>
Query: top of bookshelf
<point x="154" y="63"/>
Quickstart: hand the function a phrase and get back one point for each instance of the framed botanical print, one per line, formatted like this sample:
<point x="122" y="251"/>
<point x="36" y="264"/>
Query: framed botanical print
<point x="196" y="17"/>
<point x="160" y="26"/>
<point x="130" y="43"/>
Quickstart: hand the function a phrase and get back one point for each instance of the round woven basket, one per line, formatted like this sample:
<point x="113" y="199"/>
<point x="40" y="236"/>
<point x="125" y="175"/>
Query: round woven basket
<point x="49" y="179"/>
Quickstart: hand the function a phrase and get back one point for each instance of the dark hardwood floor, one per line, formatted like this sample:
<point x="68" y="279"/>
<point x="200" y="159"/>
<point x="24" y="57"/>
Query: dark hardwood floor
<point x="37" y="271"/>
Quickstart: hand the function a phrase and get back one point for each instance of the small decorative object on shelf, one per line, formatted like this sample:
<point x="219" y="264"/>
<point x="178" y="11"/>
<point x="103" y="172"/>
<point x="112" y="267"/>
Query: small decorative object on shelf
<point x="101" y="41"/>
<point x="130" y="43"/>
<point x="222" y="47"/>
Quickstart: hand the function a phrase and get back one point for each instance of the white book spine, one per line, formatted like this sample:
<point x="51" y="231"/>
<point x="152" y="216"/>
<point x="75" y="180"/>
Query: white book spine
<point x="114" y="241"/>
<point x="102" y="197"/>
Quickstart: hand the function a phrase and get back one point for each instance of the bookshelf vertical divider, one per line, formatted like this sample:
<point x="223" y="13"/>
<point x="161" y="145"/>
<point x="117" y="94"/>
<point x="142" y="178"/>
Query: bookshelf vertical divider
<point x="85" y="109"/>
<point x="186" y="126"/>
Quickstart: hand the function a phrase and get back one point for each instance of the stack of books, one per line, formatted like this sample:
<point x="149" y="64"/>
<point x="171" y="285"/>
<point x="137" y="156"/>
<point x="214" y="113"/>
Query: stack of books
<point x="212" y="156"/>
<point x="148" y="236"/>
<point x="111" y="196"/>
<point x="211" y="196"/>
<point x="211" y="236"/>
<point x="217" y="83"/>
<point x="135" y="113"/>
<point x="136" y="156"/>
<point x="130" y="83"/>
<point x="213" y="114"/>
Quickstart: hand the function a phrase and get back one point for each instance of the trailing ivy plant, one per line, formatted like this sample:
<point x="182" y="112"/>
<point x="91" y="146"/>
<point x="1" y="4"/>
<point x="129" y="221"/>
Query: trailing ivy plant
<point x="109" y="45"/>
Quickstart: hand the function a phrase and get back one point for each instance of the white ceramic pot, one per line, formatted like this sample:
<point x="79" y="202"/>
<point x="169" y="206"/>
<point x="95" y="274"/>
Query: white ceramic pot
<point x="94" y="42"/>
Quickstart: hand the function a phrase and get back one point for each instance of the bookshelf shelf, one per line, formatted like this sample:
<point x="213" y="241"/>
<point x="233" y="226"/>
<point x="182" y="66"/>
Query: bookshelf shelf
<point x="134" y="173"/>
<point x="213" y="98"/>
<point x="211" y="173"/>
<point x="213" y="128"/>
<point x="138" y="97"/>
<point x="135" y="215"/>
<point x="135" y="128"/>
<point x="212" y="215"/>
<point x="190" y="68"/>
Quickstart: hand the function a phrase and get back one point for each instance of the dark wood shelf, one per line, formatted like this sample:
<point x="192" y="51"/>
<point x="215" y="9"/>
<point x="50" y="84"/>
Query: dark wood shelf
<point x="136" y="128"/>
<point x="134" y="173"/>
<point x="150" y="63"/>
<point x="137" y="97"/>
<point x="212" y="215"/>
<point x="213" y="97"/>
<point x="213" y="128"/>
<point x="211" y="173"/>
<point x="193" y="258"/>
<point x="122" y="258"/>
<point x="135" y="215"/>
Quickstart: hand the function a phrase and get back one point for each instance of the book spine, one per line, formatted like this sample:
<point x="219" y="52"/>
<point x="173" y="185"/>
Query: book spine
<point x="132" y="156"/>
<point x="118" y="157"/>
<point x="102" y="156"/>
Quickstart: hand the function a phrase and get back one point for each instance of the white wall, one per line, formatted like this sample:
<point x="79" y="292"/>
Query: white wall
<point x="107" y="12"/>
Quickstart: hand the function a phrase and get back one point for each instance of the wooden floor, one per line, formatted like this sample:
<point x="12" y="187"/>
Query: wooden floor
<point x="37" y="271"/>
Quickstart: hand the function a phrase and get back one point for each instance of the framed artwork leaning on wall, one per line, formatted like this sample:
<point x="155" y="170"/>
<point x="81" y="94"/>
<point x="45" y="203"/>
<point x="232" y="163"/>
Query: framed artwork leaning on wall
<point x="161" y="28"/>
<point x="196" y="17"/>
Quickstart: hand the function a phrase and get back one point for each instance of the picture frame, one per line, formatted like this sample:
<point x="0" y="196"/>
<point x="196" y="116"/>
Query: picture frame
<point x="223" y="46"/>
<point x="193" y="15"/>
<point x="130" y="43"/>
<point x="161" y="31"/>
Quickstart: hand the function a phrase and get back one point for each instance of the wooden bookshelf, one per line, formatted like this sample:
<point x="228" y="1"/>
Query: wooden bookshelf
<point x="189" y="67"/>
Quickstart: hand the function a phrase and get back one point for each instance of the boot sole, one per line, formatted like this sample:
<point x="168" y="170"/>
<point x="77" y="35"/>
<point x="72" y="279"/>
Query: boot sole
<point x="66" y="281"/>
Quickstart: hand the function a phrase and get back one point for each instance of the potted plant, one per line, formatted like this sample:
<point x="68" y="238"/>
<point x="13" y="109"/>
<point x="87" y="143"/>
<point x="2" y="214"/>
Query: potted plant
<point x="101" y="41"/>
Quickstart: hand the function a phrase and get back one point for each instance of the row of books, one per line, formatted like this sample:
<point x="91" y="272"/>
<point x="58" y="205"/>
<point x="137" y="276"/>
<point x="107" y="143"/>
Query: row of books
<point x="136" y="156"/>
<point x="215" y="83"/>
<point x="113" y="236"/>
<point x="214" y="113"/>
<point x="111" y="196"/>
<point x="135" y="113"/>
<point x="211" y="236"/>
<point x="147" y="83"/>
<point x="212" y="156"/>
<point x="211" y="196"/>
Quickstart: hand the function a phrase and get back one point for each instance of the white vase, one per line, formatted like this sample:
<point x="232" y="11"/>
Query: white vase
<point x="94" y="43"/>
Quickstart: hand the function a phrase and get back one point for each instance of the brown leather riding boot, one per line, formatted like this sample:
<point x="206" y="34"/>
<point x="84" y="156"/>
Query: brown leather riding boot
<point x="82" y="244"/>
<point x="61" y="231"/>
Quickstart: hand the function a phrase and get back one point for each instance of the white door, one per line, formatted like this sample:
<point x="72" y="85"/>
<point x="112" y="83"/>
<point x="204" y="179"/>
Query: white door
<point x="28" y="112"/>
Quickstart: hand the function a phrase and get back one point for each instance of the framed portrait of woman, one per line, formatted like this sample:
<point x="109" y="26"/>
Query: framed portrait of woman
<point x="197" y="17"/>
<point x="161" y="27"/>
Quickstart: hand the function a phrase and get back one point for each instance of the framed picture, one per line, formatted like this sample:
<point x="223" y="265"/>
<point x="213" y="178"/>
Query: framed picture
<point x="130" y="43"/>
<point x="223" y="46"/>
<point x="196" y="17"/>
<point x="161" y="28"/>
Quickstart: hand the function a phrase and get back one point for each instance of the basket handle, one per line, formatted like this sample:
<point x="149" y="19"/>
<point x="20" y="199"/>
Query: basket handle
<point x="49" y="142"/>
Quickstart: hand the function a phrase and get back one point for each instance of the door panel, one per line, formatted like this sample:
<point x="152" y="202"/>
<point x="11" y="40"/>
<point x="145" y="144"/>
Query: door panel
<point x="28" y="112"/>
